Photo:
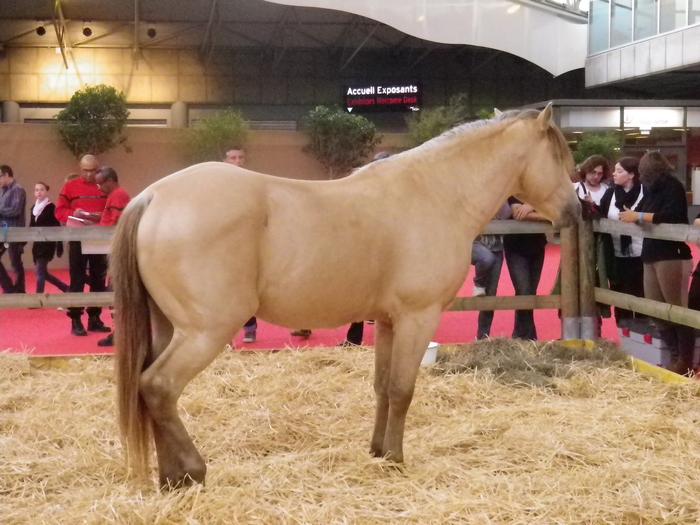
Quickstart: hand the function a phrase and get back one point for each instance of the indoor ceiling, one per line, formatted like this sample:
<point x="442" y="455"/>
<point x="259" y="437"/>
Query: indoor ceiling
<point x="215" y="25"/>
<point x="203" y="24"/>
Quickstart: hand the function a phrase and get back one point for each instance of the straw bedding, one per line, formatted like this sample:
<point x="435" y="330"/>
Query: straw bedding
<point x="286" y="435"/>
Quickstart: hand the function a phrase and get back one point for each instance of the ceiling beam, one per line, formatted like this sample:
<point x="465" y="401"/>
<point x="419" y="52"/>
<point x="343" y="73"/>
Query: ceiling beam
<point x="20" y="35"/>
<point x="234" y="32"/>
<point x="59" y="25"/>
<point x="110" y="32"/>
<point x="359" y="47"/>
<point x="137" y="24"/>
<point x="174" y="34"/>
<point x="208" y="41"/>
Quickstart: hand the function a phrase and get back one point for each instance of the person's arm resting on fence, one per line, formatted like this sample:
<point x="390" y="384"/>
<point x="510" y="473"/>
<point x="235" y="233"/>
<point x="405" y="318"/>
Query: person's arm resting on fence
<point x="525" y="212"/>
<point x="638" y="217"/>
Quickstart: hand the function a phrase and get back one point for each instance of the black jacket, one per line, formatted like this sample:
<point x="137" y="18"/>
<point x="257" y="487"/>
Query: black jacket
<point x="46" y="249"/>
<point x="667" y="201"/>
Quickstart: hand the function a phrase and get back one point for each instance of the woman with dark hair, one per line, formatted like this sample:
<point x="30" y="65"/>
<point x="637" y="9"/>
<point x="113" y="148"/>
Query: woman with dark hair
<point x="593" y="174"/>
<point x="666" y="263"/>
<point x="623" y="252"/>
<point x="43" y="252"/>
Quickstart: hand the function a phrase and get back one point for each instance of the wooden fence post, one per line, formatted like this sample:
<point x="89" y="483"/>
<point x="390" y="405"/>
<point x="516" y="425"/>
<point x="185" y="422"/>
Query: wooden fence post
<point x="569" y="279"/>
<point x="590" y="328"/>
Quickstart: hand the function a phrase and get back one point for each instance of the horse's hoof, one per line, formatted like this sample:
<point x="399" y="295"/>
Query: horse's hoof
<point x="393" y="457"/>
<point x="376" y="452"/>
<point x="175" y="482"/>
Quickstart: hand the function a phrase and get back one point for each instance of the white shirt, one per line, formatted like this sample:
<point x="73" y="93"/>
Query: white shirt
<point x="596" y="195"/>
<point x="614" y="214"/>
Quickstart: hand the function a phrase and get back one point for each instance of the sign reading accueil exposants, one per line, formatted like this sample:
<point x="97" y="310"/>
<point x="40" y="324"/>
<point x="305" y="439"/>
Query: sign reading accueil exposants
<point x="383" y="97"/>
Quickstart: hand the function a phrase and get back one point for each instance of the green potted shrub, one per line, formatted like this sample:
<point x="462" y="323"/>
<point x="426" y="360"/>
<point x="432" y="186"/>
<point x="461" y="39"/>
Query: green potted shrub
<point x="93" y="120"/>
<point x="430" y="123"/>
<point x="211" y="137"/>
<point x="605" y="144"/>
<point x="340" y="141"/>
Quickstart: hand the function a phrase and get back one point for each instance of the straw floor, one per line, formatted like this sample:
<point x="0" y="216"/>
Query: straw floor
<point x="286" y="435"/>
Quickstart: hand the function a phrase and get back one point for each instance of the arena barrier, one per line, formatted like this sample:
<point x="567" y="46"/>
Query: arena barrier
<point x="576" y="300"/>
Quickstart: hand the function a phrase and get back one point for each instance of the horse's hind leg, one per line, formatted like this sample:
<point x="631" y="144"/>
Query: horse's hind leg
<point x="412" y="333"/>
<point x="383" y="339"/>
<point x="187" y="354"/>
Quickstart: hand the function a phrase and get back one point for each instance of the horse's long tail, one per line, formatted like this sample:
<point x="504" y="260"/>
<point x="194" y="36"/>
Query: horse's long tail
<point x="132" y="331"/>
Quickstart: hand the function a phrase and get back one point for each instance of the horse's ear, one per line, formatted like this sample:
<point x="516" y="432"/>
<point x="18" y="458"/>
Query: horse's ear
<point x="497" y="112"/>
<point x="544" y="119"/>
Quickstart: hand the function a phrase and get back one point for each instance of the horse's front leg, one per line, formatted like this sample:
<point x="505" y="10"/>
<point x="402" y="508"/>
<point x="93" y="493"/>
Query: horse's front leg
<point x="383" y="338"/>
<point x="412" y="333"/>
<point x="179" y="462"/>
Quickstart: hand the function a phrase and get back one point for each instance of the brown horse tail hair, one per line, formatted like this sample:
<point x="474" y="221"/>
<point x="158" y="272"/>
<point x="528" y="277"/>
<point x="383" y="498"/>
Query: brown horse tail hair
<point x="132" y="332"/>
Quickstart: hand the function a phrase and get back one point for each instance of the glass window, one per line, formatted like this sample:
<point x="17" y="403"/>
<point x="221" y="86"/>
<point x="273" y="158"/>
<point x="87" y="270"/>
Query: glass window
<point x="694" y="15"/>
<point x="672" y="14"/>
<point x="621" y="23"/>
<point x="644" y="18"/>
<point x="599" y="26"/>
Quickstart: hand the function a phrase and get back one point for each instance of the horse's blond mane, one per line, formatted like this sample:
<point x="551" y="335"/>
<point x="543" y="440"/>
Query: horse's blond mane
<point x="480" y="128"/>
<point x="476" y="127"/>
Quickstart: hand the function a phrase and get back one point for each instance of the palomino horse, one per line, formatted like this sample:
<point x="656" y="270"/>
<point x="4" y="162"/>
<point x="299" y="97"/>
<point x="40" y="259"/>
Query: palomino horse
<point x="199" y="252"/>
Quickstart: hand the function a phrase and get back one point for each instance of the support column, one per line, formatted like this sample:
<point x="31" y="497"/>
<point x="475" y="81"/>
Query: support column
<point x="179" y="115"/>
<point x="10" y="111"/>
<point x="569" y="279"/>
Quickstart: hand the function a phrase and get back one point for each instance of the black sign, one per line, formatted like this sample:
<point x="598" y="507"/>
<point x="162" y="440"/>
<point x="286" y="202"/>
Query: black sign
<point x="382" y="97"/>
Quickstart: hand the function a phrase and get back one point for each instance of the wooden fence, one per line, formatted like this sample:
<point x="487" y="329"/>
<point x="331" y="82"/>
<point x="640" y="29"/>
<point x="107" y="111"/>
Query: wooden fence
<point x="576" y="300"/>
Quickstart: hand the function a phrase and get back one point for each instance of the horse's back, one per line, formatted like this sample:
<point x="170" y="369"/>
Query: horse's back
<point x="231" y="233"/>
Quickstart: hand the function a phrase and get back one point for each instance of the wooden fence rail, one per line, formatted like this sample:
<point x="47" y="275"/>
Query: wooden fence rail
<point x="57" y="233"/>
<point x="106" y="298"/>
<point x="659" y="310"/>
<point x="103" y="233"/>
<point x="576" y="300"/>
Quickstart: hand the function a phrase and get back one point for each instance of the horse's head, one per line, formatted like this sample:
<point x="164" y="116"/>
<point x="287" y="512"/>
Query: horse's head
<point x="545" y="180"/>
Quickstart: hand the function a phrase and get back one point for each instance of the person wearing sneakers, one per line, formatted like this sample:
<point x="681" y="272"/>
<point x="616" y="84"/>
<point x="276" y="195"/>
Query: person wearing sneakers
<point x="117" y="199"/>
<point x="81" y="201"/>
<point x="236" y="156"/>
<point x="487" y="258"/>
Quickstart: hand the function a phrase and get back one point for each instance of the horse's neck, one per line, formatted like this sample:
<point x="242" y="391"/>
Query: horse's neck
<point x="473" y="178"/>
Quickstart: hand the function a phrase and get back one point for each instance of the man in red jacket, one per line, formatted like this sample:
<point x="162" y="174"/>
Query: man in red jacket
<point x="81" y="201"/>
<point x="117" y="199"/>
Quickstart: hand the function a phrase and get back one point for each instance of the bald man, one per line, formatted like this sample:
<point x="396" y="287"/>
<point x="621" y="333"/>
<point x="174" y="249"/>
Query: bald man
<point x="82" y="198"/>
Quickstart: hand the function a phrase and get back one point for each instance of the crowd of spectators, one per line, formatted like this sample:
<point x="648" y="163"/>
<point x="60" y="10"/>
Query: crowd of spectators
<point x="93" y="198"/>
<point x="635" y="190"/>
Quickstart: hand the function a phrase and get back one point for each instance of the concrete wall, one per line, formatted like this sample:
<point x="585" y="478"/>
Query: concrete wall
<point x="159" y="76"/>
<point x="35" y="153"/>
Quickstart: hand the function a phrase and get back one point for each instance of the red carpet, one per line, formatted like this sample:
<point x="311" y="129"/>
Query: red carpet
<point x="47" y="332"/>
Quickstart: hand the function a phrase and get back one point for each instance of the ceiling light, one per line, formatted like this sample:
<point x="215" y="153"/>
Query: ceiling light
<point x="513" y="9"/>
<point x="41" y="30"/>
<point x="87" y="31"/>
<point x="151" y="32"/>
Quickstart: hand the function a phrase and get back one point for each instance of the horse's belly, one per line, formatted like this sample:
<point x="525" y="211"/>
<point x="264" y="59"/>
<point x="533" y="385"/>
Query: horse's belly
<point x="321" y="310"/>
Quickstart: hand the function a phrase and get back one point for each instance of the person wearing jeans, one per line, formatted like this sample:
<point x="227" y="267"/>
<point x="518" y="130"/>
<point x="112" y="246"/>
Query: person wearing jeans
<point x="13" y="200"/>
<point x="524" y="255"/>
<point x="487" y="258"/>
